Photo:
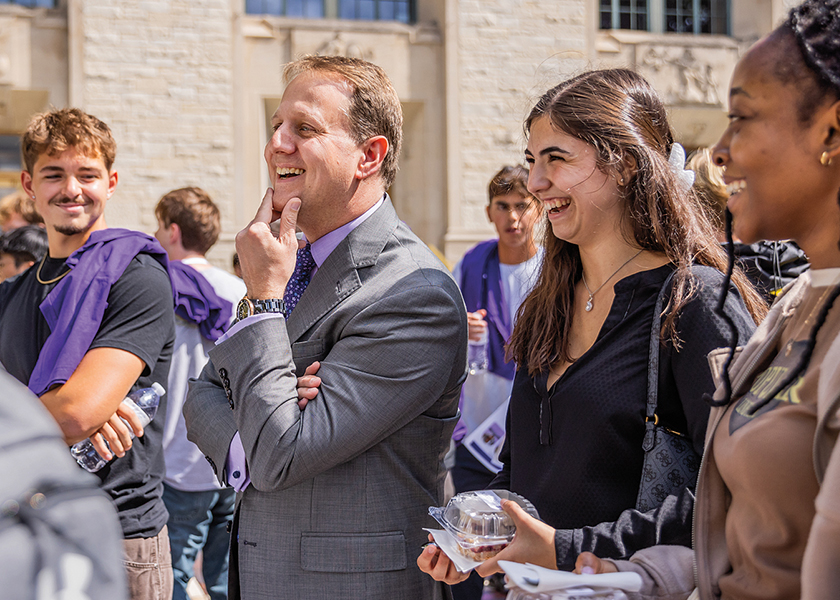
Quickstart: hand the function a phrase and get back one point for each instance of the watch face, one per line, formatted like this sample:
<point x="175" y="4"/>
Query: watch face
<point x="244" y="309"/>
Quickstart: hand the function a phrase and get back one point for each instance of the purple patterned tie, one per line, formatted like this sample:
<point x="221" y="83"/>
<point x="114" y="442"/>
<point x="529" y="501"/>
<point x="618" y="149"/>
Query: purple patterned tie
<point x="300" y="278"/>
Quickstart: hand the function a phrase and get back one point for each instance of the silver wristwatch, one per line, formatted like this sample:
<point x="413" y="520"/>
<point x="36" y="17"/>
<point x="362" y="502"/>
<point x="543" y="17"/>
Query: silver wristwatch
<point x="248" y="307"/>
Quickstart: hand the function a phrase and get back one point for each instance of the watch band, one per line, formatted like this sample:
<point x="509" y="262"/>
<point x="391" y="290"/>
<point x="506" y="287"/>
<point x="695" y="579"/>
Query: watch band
<point x="271" y="305"/>
<point x="248" y="307"/>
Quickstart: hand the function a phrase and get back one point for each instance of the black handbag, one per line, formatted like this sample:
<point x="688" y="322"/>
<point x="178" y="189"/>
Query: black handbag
<point x="671" y="463"/>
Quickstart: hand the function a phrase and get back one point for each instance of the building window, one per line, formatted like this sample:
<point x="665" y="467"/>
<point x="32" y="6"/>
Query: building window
<point x="32" y="3"/>
<point x="666" y="16"/>
<point x="10" y="165"/>
<point x="696" y="16"/>
<point x="624" y="14"/>
<point x="10" y="153"/>
<point x="370" y="10"/>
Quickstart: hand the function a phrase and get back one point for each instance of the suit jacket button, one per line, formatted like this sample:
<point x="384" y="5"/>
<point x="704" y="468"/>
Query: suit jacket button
<point x="223" y="375"/>
<point x="212" y="464"/>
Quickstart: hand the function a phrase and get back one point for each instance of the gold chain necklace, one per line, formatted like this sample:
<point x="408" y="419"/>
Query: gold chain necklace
<point x="41" y="266"/>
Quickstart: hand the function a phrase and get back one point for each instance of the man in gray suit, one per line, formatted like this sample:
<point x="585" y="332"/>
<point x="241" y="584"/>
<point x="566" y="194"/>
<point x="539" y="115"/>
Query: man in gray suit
<point x="335" y="496"/>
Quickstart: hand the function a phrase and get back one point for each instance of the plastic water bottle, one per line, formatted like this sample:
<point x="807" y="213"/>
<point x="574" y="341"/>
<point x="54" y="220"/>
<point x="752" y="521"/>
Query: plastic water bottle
<point x="477" y="354"/>
<point x="144" y="402"/>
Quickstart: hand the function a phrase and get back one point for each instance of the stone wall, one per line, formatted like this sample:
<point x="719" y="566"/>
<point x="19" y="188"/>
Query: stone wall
<point x="509" y="52"/>
<point x="160" y="73"/>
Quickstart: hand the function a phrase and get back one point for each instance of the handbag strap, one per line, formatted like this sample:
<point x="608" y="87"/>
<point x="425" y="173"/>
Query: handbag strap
<point x="653" y="368"/>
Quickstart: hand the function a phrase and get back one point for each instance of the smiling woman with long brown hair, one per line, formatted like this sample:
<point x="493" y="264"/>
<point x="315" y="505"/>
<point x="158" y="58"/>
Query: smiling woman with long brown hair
<point x="623" y="226"/>
<point x="768" y="497"/>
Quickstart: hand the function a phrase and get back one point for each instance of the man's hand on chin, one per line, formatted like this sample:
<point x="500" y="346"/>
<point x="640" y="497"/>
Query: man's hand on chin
<point x="268" y="260"/>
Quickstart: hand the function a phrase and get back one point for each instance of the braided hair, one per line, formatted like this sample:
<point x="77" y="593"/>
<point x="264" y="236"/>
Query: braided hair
<point x="815" y="69"/>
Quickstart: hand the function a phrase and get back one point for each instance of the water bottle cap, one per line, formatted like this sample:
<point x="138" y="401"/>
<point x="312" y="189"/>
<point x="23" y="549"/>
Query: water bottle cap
<point x="158" y="388"/>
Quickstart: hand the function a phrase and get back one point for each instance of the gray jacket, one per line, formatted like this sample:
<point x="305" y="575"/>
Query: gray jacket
<point x="340" y="492"/>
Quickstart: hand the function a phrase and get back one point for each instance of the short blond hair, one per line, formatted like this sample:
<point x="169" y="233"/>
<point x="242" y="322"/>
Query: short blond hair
<point x="375" y="107"/>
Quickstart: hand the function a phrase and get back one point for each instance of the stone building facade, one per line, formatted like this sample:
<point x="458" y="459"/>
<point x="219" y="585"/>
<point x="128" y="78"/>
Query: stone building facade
<point x="188" y="88"/>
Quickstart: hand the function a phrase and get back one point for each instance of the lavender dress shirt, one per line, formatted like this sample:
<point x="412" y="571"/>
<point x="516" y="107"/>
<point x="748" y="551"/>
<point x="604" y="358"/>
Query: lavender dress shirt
<point x="236" y="465"/>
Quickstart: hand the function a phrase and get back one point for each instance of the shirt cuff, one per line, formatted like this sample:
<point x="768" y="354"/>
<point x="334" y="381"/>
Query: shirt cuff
<point x="236" y="467"/>
<point x="239" y="325"/>
<point x="564" y="548"/>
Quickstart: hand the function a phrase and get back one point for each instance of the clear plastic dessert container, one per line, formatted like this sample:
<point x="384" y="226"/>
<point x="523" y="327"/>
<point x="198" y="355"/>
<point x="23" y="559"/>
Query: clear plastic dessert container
<point x="478" y="523"/>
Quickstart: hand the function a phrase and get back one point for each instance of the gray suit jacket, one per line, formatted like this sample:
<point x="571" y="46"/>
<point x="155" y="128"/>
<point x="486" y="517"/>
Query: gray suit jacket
<point x="340" y="492"/>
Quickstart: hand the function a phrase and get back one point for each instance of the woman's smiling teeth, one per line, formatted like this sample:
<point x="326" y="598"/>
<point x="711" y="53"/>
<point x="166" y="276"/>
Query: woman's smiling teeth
<point x="285" y="172"/>
<point x="553" y="206"/>
<point x="736" y="186"/>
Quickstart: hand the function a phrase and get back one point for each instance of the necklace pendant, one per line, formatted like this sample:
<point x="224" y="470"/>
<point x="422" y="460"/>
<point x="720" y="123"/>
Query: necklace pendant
<point x="588" y="305"/>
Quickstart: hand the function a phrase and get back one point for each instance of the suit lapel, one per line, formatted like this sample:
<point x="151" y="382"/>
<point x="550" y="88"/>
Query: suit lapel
<point x="338" y="278"/>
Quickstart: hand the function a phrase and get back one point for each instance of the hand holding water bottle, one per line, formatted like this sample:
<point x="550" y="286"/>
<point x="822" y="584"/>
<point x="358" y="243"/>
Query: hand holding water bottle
<point x="135" y="412"/>
<point x="477" y="346"/>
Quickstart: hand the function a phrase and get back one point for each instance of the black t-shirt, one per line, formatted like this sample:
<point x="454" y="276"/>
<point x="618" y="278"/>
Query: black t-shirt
<point x="591" y="469"/>
<point x="139" y="319"/>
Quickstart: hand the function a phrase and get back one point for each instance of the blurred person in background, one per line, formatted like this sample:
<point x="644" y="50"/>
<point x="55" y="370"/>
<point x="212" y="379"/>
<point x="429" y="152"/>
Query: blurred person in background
<point x="494" y="277"/>
<point x="769" y="265"/>
<point x="17" y="210"/>
<point x="200" y="509"/>
<point x="21" y="248"/>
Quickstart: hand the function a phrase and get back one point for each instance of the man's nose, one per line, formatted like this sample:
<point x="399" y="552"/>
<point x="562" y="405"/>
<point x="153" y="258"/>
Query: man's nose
<point x="281" y="141"/>
<point x="72" y="187"/>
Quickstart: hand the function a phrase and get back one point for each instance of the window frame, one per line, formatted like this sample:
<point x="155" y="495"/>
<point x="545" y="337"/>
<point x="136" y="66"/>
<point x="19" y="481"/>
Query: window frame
<point x="331" y="10"/>
<point x="32" y="4"/>
<point x="656" y="18"/>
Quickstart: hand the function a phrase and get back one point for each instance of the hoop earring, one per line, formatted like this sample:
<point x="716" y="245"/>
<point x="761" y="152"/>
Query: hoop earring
<point x="825" y="159"/>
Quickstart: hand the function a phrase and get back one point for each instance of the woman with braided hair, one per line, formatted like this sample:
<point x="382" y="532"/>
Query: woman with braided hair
<point x="767" y="521"/>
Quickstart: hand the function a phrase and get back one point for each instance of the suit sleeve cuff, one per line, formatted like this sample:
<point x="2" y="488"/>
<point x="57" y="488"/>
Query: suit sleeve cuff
<point x="236" y="467"/>
<point x="240" y="325"/>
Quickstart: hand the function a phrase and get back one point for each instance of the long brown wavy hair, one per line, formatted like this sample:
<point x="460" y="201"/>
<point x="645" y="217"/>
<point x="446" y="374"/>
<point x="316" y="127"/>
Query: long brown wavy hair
<point x="619" y="113"/>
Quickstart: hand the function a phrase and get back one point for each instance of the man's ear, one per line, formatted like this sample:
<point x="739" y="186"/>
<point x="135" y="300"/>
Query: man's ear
<point x="113" y="178"/>
<point x="174" y="234"/>
<point x="374" y="150"/>
<point x="26" y="182"/>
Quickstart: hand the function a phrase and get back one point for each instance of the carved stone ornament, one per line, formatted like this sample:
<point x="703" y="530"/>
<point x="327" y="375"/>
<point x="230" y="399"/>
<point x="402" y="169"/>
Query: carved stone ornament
<point x="338" y="46"/>
<point x="691" y="81"/>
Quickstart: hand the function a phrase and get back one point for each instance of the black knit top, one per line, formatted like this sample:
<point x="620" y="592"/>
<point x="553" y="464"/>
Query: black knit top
<point x="575" y="450"/>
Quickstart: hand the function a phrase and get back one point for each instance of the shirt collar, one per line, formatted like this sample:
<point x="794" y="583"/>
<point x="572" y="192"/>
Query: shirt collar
<point x="324" y="245"/>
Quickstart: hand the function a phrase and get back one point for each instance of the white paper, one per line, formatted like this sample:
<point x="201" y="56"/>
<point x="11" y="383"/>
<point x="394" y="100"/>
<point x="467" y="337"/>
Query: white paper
<point x="485" y="442"/>
<point x="449" y="546"/>
<point x="549" y="580"/>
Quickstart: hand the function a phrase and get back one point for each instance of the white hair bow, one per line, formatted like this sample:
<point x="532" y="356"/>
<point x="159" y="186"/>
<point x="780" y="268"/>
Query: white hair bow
<point x="685" y="177"/>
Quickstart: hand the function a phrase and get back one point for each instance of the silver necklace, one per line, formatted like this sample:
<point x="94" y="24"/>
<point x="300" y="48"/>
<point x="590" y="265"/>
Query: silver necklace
<point x="591" y="293"/>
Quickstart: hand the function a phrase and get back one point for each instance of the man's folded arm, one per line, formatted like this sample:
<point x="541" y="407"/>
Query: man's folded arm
<point x="209" y="419"/>
<point x="395" y="360"/>
<point x="93" y="392"/>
